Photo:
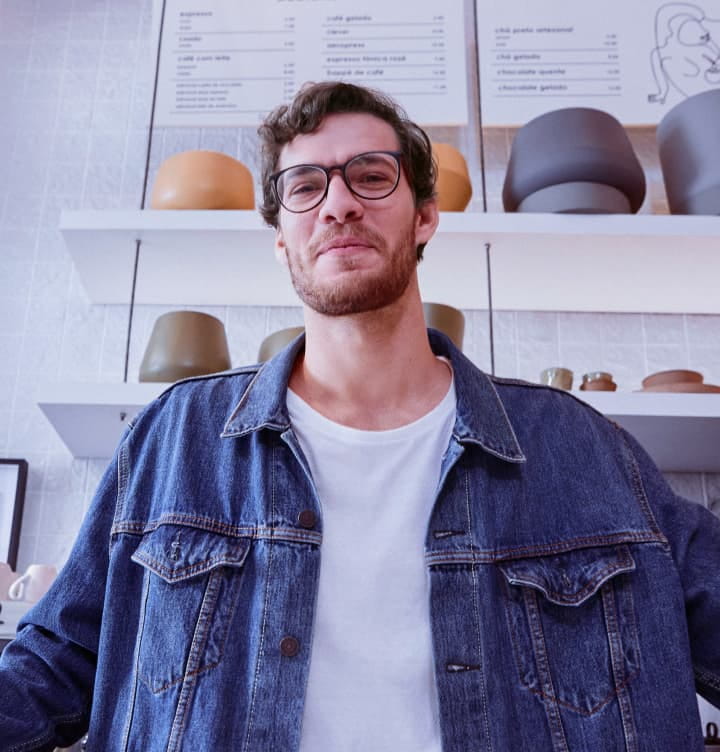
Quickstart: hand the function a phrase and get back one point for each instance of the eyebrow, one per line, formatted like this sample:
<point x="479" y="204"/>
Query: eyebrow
<point x="304" y="167"/>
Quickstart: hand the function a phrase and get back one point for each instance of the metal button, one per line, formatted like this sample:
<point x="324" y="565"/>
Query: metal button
<point x="307" y="518"/>
<point x="289" y="647"/>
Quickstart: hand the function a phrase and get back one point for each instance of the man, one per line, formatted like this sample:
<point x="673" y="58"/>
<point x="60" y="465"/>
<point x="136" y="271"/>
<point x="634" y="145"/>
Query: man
<point x="367" y="543"/>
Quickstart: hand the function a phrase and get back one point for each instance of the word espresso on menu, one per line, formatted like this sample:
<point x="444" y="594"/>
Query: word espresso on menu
<point x="230" y="63"/>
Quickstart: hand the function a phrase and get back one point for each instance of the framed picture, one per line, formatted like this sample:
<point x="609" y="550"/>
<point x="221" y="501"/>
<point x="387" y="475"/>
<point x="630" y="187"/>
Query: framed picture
<point x="13" y="478"/>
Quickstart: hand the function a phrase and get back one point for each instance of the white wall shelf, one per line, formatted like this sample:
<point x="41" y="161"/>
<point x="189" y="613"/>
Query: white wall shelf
<point x="224" y="258"/>
<point x="680" y="431"/>
<point x="90" y="418"/>
<point x="632" y="263"/>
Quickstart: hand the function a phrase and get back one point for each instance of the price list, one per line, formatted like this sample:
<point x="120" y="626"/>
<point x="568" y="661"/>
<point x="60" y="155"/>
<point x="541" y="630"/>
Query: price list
<point x="405" y="58"/>
<point x="631" y="59"/>
<point x="217" y="71"/>
<point x="228" y="63"/>
<point x="549" y="62"/>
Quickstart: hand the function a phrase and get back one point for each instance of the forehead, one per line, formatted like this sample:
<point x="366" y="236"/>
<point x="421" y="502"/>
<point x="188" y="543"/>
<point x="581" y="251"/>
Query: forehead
<point x="339" y="137"/>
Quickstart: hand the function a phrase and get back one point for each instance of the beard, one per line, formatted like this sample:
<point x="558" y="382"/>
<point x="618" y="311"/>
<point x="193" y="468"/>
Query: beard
<point x="360" y="292"/>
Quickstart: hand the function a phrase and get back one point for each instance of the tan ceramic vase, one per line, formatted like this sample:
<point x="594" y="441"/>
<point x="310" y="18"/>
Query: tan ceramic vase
<point x="202" y="180"/>
<point x="183" y="344"/>
<point x="273" y="343"/>
<point x="453" y="180"/>
<point x="446" y="319"/>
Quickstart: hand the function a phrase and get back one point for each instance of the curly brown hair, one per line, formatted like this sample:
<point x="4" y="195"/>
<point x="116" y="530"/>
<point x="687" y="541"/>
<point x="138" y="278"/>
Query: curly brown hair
<point x="312" y="104"/>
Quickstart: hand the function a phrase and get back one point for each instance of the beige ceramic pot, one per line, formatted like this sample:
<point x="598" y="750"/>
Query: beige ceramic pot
<point x="183" y="344"/>
<point x="598" y="381"/>
<point x="273" y="343"/>
<point x="453" y="180"/>
<point x="446" y="319"/>
<point x="202" y="180"/>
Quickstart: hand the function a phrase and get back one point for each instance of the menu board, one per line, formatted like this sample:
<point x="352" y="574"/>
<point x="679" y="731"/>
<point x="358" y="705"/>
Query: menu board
<point x="229" y="62"/>
<point x="634" y="59"/>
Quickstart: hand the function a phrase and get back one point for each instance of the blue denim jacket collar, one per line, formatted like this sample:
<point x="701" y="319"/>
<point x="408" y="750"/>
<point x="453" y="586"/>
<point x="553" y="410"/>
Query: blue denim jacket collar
<point x="481" y="418"/>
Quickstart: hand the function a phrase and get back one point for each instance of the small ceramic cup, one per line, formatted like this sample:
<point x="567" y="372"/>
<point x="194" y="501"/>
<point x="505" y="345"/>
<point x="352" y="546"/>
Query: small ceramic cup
<point x="560" y="378"/>
<point x="598" y="381"/>
<point x="7" y="577"/>
<point x="33" y="584"/>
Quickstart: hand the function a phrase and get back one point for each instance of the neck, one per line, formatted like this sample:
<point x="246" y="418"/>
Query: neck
<point x="373" y="370"/>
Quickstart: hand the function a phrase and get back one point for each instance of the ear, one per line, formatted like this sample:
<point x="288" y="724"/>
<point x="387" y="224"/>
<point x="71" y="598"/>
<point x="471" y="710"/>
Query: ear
<point x="427" y="217"/>
<point x="280" y="250"/>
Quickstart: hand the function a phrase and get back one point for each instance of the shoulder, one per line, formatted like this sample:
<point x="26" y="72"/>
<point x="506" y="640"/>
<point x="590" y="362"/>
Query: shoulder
<point x="529" y="398"/>
<point x="557" y="420"/>
<point x="196" y="401"/>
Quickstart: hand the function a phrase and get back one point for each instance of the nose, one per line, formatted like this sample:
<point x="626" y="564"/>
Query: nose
<point x="340" y="204"/>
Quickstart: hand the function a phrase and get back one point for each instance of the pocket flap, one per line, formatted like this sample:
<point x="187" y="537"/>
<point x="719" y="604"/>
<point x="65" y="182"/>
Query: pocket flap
<point x="569" y="578"/>
<point x="178" y="552"/>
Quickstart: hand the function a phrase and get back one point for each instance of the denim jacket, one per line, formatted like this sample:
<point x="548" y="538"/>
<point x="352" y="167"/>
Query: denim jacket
<point x="574" y="599"/>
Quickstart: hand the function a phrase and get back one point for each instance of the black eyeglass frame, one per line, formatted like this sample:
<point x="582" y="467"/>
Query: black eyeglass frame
<point x="398" y="155"/>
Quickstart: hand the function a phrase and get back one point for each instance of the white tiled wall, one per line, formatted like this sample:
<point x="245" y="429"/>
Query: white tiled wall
<point x="76" y="88"/>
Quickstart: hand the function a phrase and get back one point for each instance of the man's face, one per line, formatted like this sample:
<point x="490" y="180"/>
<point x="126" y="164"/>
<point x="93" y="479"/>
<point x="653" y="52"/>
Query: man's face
<point x="349" y="254"/>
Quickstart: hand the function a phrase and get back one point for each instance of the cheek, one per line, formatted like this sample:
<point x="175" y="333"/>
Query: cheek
<point x="294" y="228"/>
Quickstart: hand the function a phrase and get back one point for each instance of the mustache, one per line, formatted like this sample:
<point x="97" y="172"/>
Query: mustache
<point x="355" y="232"/>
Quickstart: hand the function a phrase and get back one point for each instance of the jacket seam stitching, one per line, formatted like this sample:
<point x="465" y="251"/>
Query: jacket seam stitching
<point x="203" y="566"/>
<point x="136" y="663"/>
<point x="595" y="708"/>
<point x="197" y="646"/>
<point x="517" y="446"/>
<point x="48" y="735"/>
<point x="476" y="608"/>
<point x="213" y="526"/>
<point x="195" y="672"/>
<point x="266" y="596"/>
<point x="243" y="399"/>
<point x="638" y="486"/>
<point x="592" y="587"/>
<point x="492" y="557"/>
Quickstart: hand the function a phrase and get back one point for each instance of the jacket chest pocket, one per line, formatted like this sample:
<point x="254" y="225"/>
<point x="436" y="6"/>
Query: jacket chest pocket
<point x="572" y="625"/>
<point x="192" y="582"/>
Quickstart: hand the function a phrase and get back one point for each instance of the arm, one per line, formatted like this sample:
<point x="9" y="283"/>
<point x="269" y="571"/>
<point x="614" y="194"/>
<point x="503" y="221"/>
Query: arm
<point x="660" y="78"/>
<point x="47" y="673"/>
<point x="693" y="533"/>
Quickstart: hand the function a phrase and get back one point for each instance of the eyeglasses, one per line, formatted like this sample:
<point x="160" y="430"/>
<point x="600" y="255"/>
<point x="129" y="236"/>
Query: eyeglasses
<point x="372" y="175"/>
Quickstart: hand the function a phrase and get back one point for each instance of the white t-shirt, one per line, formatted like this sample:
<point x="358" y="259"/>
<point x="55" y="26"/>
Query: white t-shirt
<point x="371" y="686"/>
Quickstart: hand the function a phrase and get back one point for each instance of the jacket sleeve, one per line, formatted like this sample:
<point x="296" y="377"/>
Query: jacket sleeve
<point x="47" y="673"/>
<point x="693" y="534"/>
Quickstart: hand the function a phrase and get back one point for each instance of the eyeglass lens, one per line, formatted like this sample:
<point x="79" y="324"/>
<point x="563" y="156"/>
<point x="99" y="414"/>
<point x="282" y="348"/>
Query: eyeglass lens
<point x="372" y="175"/>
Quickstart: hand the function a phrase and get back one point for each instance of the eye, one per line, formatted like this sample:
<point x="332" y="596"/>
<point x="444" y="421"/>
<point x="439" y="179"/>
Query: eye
<point x="297" y="189"/>
<point x="373" y="172"/>
<point x="368" y="177"/>
<point x="302" y="182"/>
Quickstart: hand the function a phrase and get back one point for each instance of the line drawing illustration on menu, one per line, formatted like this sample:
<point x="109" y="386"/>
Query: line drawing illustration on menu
<point x="686" y="57"/>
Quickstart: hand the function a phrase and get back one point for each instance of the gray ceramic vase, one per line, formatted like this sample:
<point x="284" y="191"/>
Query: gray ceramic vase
<point x="689" y="149"/>
<point x="576" y="160"/>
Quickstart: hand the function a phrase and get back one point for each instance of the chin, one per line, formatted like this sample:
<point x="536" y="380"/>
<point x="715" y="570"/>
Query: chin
<point x="354" y="297"/>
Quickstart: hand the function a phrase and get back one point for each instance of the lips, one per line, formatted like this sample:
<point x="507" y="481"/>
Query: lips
<point x="341" y="243"/>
